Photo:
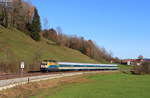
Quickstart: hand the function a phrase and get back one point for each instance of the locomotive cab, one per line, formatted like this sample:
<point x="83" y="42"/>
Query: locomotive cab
<point x="49" y="65"/>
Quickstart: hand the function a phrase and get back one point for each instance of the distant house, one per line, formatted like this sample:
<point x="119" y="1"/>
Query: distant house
<point x="127" y="61"/>
<point x="133" y="61"/>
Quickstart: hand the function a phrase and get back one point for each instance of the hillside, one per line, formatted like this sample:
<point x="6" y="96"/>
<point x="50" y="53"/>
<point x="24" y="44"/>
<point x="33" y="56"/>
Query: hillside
<point x="17" y="46"/>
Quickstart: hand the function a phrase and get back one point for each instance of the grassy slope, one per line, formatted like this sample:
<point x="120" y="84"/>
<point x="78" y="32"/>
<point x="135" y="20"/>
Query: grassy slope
<point x="15" y="45"/>
<point x="103" y="86"/>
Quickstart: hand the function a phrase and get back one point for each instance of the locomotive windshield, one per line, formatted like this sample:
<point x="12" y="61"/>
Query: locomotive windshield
<point x="44" y="63"/>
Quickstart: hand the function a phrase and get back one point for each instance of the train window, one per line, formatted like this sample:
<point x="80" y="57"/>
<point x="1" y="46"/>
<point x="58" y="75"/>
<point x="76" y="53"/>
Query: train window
<point x="44" y="63"/>
<point x="65" y="65"/>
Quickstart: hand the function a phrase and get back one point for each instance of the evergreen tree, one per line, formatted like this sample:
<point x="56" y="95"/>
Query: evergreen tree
<point x="35" y="26"/>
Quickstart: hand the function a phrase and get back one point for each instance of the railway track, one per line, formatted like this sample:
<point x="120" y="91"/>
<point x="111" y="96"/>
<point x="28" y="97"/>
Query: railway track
<point x="12" y="76"/>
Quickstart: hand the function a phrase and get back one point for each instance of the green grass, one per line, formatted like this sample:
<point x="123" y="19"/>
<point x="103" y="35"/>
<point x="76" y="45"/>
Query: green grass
<point x="102" y="86"/>
<point x="124" y="67"/>
<point x="15" y="45"/>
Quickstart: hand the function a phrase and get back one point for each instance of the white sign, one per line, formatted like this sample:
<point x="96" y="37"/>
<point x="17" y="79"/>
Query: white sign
<point x="22" y="65"/>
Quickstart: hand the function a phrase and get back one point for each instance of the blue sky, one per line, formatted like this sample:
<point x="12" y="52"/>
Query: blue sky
<point x="121" y="26"/>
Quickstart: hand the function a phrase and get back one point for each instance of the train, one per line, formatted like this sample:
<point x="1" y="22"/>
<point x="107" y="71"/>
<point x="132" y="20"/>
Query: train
<point x="53" y="65"/>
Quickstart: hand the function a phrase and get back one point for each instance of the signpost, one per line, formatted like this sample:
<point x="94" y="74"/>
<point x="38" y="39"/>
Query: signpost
<point x="22" y="65"/>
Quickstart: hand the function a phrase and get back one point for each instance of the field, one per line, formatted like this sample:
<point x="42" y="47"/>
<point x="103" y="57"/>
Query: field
<point x="102" y="86"/>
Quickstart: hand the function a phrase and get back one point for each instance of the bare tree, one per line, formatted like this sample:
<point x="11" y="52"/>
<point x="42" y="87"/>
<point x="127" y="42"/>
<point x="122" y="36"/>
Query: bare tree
<point x="46" y="23"/>
<point x="87" y="47"/>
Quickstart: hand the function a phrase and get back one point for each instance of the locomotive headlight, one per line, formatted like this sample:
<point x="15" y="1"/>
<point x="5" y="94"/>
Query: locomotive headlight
<point x="42" y="66"/>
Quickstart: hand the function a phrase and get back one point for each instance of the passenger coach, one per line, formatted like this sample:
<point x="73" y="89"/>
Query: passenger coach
<point x="52" y="65"/>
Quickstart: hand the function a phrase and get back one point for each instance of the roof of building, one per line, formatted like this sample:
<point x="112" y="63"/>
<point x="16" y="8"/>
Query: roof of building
<point x="131" y="60"/>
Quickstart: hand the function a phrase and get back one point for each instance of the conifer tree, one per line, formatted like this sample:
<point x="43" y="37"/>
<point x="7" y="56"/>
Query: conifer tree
<point x="35" y="26"/>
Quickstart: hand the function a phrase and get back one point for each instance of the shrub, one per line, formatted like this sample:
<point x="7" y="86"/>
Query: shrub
<point x="35" y="36"/>
<point x="144" y="68"/>
<point x="9" y="67"/>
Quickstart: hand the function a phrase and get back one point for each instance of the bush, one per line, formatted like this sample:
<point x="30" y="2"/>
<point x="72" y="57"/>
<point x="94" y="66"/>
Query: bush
<point x="35" y="36"/>
<point x="9" y="67"/>
<point x="144" y="68"/>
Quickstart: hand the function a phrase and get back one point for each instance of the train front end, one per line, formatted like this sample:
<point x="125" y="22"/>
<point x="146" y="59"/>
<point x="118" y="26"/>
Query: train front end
<point x="49" y="65"/>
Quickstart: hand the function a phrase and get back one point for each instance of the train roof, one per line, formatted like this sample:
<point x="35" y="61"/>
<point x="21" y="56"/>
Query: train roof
<point x="70" y="63"/>
<point x="49" y="60"/>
